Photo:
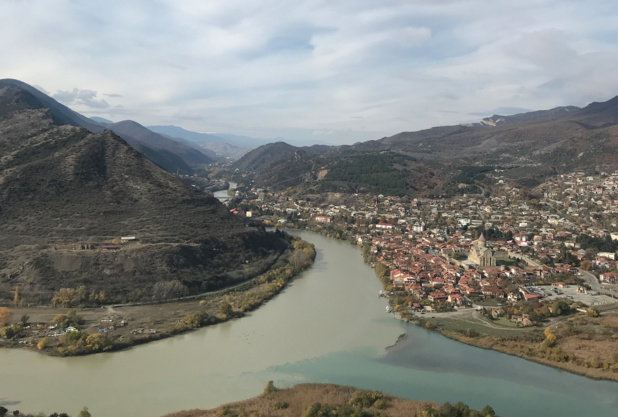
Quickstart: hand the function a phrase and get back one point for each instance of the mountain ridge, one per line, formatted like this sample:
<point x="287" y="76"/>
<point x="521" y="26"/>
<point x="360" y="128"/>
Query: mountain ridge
<point x="67" y="196"/>
<point x="526" y="148"/>
<point x="164" y="151"/>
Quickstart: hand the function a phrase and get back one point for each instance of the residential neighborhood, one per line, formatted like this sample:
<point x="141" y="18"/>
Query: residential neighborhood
<point x="505" y="246"/>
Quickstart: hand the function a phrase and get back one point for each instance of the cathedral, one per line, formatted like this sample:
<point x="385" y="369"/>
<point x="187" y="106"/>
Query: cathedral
<point x="482" y="255"/>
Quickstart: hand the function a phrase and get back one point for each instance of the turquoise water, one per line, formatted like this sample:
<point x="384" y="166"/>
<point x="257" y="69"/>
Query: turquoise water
<point x="327" y="326"/>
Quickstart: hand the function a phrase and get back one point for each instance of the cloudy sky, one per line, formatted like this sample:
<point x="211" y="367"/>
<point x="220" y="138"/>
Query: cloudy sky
<point x="312" y="71"/>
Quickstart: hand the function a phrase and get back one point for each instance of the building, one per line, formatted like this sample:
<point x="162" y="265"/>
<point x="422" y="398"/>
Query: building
<point x="481" y="254"/>
<point x="324" y="219"/>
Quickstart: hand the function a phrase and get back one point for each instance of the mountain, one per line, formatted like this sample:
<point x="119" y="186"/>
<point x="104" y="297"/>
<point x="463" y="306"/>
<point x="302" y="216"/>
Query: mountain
<point x="526" y="148"/>
<point x="533" y="116"/>
<point x="279" y="165"/>
<point x="26" y="96"/>
<point x="163" y="151"/>
<point x="564" y="139"/>
<point x="101" y="120"/>
<point x="67" y="196"/>
<point x="170" y="154"/>
<point x="223" y="144"/>
<point x="318" y="169"/>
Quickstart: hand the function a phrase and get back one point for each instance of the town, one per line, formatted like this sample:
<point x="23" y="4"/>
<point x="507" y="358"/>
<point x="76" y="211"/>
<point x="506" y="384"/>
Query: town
<point x="516" y="258"/>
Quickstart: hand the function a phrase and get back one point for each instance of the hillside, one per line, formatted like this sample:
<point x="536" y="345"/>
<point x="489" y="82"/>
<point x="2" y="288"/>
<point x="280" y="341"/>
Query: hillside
<point x="165" y="152"/>
<point x="279" y="165"/>
<point x="525" y="148"/>
<point x="67" y="196"/>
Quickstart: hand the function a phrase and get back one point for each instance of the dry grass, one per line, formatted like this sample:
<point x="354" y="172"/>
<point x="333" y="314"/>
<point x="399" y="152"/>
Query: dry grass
<point x="590" y="344"/>
<point x="299" y="397"/>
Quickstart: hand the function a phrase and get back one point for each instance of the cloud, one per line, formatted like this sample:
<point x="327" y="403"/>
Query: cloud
<point x="77" y="96"/>
<point x="293" y="68"/>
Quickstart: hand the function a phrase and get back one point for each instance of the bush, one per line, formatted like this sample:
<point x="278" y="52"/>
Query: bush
<point x="42" y="343"/>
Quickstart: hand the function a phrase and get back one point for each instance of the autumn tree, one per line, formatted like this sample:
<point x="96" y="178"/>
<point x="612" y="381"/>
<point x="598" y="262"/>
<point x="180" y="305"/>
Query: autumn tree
<point x="42" y="343"/>
<point x="550" y="339"/>
<point x="97" y="342"/>
<point x="5" y="316"/>
<point x="225" y="309"/>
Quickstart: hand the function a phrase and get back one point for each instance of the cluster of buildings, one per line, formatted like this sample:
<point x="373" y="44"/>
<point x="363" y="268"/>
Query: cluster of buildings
<point x="449" y="250"/>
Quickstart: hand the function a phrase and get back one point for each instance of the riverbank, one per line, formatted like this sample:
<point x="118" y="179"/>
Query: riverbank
<point x="81" y="331"/>
<point x="583" y="345"/>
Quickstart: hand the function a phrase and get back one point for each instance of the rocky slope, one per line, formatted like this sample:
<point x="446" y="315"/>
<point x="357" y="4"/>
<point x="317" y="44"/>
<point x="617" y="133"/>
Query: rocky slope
<point x="67" y="196"/>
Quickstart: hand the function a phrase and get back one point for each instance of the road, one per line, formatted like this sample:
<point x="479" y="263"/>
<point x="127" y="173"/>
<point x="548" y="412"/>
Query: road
<point x="595" y="285"/>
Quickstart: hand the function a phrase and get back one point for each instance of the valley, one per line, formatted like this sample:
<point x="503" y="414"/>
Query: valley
<point x="106" y="251"/>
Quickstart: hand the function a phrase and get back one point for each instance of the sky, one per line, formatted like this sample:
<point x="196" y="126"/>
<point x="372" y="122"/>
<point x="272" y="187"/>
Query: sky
<point x="329" y="72"/>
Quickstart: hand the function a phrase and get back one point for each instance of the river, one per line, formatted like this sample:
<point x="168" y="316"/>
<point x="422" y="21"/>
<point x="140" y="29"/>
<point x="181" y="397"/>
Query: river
<point x="222" y="195"/>
<point x="327" y="326"/>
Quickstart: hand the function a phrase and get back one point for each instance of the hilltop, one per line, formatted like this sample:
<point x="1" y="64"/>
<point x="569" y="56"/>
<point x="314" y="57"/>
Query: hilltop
<point x="67" y="196"/>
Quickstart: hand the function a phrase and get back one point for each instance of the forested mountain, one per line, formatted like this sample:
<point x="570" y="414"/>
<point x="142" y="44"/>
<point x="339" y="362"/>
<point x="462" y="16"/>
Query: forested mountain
<point x="526" y="148"/>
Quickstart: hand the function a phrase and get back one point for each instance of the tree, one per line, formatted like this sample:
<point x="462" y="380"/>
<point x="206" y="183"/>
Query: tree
<point x="270" y="387"/>
<point x="488" y="411"/>
<point x="97" y="342"/>
<point x="226" y="309"/>
<point x="42" y="343"/>
<point x="86" y="413"/>
<point x="24" y="320"/>
<point x="165" y="290"/>
<point x="5" y="316"/>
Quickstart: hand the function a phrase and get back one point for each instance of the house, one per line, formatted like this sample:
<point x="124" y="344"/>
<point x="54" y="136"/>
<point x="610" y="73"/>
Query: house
<point x="324" y="219"/>
<point x="611" y="277"/>
<point x="456" y="299"/>
<point x="437" y="296"/>
<point x="524" y="319"/>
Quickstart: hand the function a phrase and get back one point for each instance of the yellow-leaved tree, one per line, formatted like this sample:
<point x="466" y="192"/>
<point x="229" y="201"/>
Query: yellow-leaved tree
<point x="5" y="316"/>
